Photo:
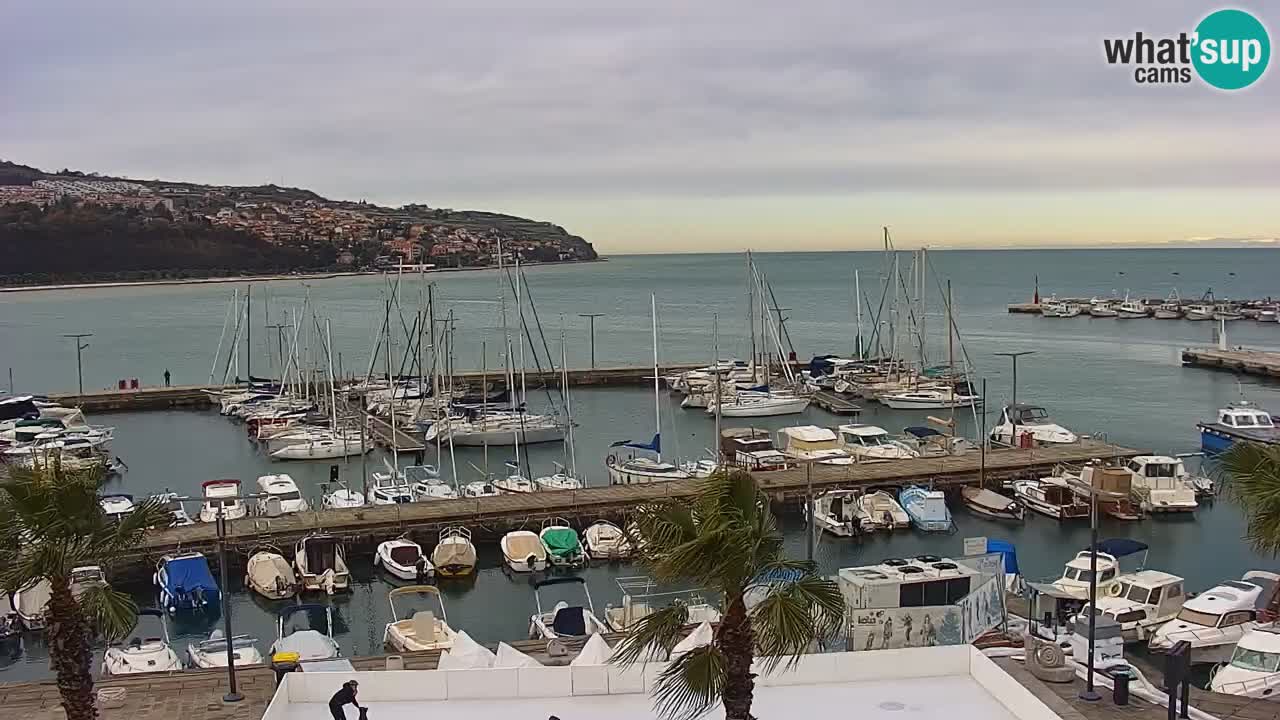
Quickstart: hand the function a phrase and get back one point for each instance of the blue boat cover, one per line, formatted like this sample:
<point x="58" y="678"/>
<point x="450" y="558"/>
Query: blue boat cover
<point x="921" y="431"/>
<point x="1119" y="547"/>
<point x="655" y="446"/>
<point x="187" y="574"/>
<point x="1005" y="548"/>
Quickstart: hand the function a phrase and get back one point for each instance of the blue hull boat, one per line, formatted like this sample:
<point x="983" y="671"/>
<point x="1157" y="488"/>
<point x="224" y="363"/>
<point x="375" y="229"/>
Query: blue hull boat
<point x="926" y="508"/>
<point x="1241" y="421"/>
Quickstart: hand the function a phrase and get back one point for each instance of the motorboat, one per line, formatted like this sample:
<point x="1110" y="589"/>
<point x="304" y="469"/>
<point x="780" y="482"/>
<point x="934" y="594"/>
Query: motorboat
<point x="1052" y="497"/>
<point x="281" y="496"/>
<point x="1054" y="308"/>
<point x="1170" y="309"/>
<point x="270" y="575"/>
<point x="881" y="511"/>
<point x="514" y="482"/>
<point x="425" y="484"/>
<point x="321" y="564"/>
<point x="561" y="479"/>
<point x="85" y="577"/>
<point x="29" y="604"/>
<point x="926" y="508"/>
<point x="172" y="502"/>
<point x="116" y="507"/>
<point x="454" y="555"/>
<point x="928" y="442"/>
<point x="1132" y="309"/>
<point x="606" y="541"/>
<point x="10" y="627"/>
<point x="991" y="504"/>
<point x="404" y="559"/>
<point x="420" y="629"/>
<point x="1078" y="571"/>
<point x="147" y="652"/>
<point x="1238" y="421"/>
<point x="810" y="443"/>
<point x="1161" y="484"/>
<point x="562" y="619"/>
<point x="751" y="448"/>
<point x="185" y="583"/>
<point x="1200" y="312"/>
<point x="838" y="512"/>
<point x="343" y="497"/>
<point x="224" y="494"/>
<point x="1216" y="619"/>
<point x="1269" y="314"/>
<point x="641" y="470"/>
<point x="212" y="653"/>
<point x="1102" y="309"/>
<point x="308" y="642"/>
<point x="1111" y="488"/>
<point x="641" y="597"/>
<point x="700" y="469"/>
<point x="1254" y="668"/>
<point x="1226" y="312"/>
<point x="1141" y="602"/>
<point x="480" y="488"/>
<point x="766" y="404"/>
<point x="929" y="399"/>
<point x="1030" y="420"/>
<point x="522" y="551"/>
<point x="871" y="443"/>
<point x="564" y="549"/>
<point x="389" y="488"/>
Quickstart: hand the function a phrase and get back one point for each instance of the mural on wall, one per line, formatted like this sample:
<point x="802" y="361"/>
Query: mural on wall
<point x="905" y="627"/>
<point x="983" y="608"/>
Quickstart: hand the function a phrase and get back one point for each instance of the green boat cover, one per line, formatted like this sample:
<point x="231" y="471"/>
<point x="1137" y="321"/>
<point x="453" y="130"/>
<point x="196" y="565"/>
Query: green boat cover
<point x="561" y="542"/>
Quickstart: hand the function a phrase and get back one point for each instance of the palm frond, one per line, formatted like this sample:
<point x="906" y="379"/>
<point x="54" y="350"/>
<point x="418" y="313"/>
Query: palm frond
<point x="793" y="614"/>
<point x="1253" y="474"/>
<point x="691" y="685"/>
<point x="114" y="613"/>
<point x="654" y="635"/>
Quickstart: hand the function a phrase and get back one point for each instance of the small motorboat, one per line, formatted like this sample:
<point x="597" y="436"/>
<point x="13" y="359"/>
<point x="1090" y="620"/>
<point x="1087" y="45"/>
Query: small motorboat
<point x="420" y="629"/>
<point x="389" y="488"/>
<point x="1238" y="421"/>
<point x="563" y="619"/>
<point x="564" y="548"/>
<point x="29" y="604"/>
<point x="881" y="511"/>
<point x="1161" y="484"/>
<point x="270" y="575"/>
<point x="871" y="443"/>
<point x="1132" y="309"/>
<point x="116" y="507"/>
<point x="425" y="484"/>
<point x="321" y="563"/>
<point x="343" y="497"/>
<point x="479" y="489"/>
<point x="146" y="652"/>
<point x="606" y="541"/>
<point x="1102" y="309"/>
<point x="522" y="551"/>
<point x="991" y="504"/>
<point x="1076" y="574"/>
<point x="85" y="577"/>
<point x="308" y="642"/>
<point x="403" y="558"/>
<point x="1052" y="497"/>
<point x="212" y="653"/>
<point x="927" y="509"/>
<point x="561" y="479"/>
<point x="641" y="597"/>
<point x="282" y="496"/>
<point x="173" y="503"/>
<point x="811" y="443"/>
<point x="185" y="583"/>
<point x="454" y="555"/>
<point x="224" y="494"/>
<point x="837" y="512"/>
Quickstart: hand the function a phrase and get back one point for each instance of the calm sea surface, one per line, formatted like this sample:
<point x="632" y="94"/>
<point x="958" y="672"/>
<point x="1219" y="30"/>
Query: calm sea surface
<point x="1094" y="375"/>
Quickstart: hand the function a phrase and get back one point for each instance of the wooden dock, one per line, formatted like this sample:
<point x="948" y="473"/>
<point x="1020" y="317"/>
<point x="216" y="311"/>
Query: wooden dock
<point x="490" y="517"/>
<point x="381" y="432"/>
<point x="1248" y="362"/>
<point x="835" y="403"/>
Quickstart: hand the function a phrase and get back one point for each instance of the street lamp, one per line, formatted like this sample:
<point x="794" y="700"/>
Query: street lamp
<point x="592" y="317"/>
<point x="1013" y="418"/>
<point x="233" y="695"/>
<point x="1090" y="694"/>
<point x="79" y="347"/>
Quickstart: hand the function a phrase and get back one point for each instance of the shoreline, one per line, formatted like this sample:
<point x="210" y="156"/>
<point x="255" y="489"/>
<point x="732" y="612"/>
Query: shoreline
<point x="267" y="278"/>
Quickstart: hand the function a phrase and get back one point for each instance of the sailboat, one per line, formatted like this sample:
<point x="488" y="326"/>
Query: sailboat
<point x="565" y="477"/>
<point x="635" y="470"/>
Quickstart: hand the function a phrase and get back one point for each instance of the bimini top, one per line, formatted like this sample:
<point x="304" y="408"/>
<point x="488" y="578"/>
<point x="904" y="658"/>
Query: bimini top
<point x="921" y="432"/>
<point x="187" y="573"/>
<point x="560" y="581"/>
<point x="1120" y="547"/>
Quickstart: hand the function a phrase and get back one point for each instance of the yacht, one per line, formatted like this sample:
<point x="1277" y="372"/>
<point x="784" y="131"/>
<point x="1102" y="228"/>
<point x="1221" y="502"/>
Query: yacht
<point x="147" y="652"/>
<point x="425" y="483"/>
<point x="480" y="488"/>
<point x="282" y="496"/>
<point x="1161" y="484"/>
<point x="562" y="619"/>
<point x="514" y="483"/>
<point x="420" y="629"/>
<point x="454" y="554"/>
<point x="561" y="479"/>
<point x="223" y="494"/>
<point x="767" y="404"/>
<point x="321" y="563"/>
<point x="927" y="509"/>
<point x="838" y="512"/>
<point x="403" y="558"/>
<point x="308" y="642"/>
<point x="1030" y="420"/>
<point x="523" y="551"/>
<point x="1254" y="669"/>
<point x="813" y="444"/>
<point x="1141" y="602"/>
<point x="502" y="428"/>
<point x="1215" y="620"/>
<point x="881" y="511"/>
<point x="1238" y="421"/>
<point x="871" y="443"/>
<point x="639" y="470"/>
<point x="326" y="448"/>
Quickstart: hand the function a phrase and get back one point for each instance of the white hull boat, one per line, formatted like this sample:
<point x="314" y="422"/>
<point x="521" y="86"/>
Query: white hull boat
<point x="308" y="643"/>
<point x="606" y="541"/>
<point x="564" y="620"/>
<point x="1216" y="619"/>
<point x="321" y="450"/>
<point x="837" y="512"/>
<point x="881" y="511"/>
<point x="223" y="494"/>
<point x="419" y="630"/>
<point x="929" y="400"/>
<point x="454" y="555"/>
<point x="212" y="653"/>
<point x="343" y="498"/>
<point x="522" y="552"/>
<point x="642" y="470"/>
<point x="764" y="406"/>
<point x="270" y="575"/>
<point x="148" y="652"/>
<point x="321" y="564"/>
<point x="403" y="558"/>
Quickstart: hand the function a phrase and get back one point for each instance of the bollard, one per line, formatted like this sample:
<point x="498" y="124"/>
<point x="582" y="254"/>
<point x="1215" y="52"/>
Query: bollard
<point x="1120" y="692"/>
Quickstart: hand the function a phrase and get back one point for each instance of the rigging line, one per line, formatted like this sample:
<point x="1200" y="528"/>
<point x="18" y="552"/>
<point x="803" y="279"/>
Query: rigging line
<point x="541" y="334"/>
<point x="524" y="325"/>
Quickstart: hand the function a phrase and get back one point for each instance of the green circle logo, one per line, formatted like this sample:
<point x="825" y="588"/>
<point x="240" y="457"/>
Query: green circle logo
<point x="1231" y="49"/>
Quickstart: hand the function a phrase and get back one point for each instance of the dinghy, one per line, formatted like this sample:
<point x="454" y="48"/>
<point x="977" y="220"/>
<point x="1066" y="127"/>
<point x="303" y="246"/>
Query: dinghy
<point x="991" y="504"/>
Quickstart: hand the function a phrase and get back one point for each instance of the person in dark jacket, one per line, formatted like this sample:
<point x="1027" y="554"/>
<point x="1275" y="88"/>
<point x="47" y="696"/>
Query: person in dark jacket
<point x="345" y="696"/>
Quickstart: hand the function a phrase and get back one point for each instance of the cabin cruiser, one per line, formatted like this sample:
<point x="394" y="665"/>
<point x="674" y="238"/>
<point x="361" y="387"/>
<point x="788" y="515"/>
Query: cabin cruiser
<point x="308" y="643"/>
<point x="751" y="449"/>
<point x="321" y="563"/>
<point x="1215" y="620"/>
<point x="343" y="497"/>
<point x="212" y="653"/>
<point x="185" y="583"/>
<point x="224" y="494"/>
<point x="1254" y="669"/>
<point x="606" y="541"/>
<point x="1051" y="496"/>
<point x="404" y="559"/>
<point x="270" y="575"/>
<point x="146" y="652"/>
<point x="881" y="511"/>
<point x="1238" y="421"/>
<point x="172" y="502"/>
<point x="563" y="619"/>
<point x="838" y="512"/>
<point x="454" y="555"/>
<point x="868" y="442"/>
<point x="1078" y="571"/>
<point x="116" y="507"/>
<point x="810" y="443"/>
<point x="523" y="551"/>
<point x="641" y="597"/>
<point x="563" y="547"/>
<point x="1030" y="420"/>
<point x="1161" y="484"/>
<point x="991" y="504"/>
<point x="1141" y="602"/>
<point x="421" y="629"/>
<point x="29" y="604"/>
<point x="282" y="496"/>
<point x="927" y="509"/>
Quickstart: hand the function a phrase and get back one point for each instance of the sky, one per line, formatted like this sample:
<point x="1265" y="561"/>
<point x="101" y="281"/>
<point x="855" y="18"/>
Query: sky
<point x="665" y="126"/>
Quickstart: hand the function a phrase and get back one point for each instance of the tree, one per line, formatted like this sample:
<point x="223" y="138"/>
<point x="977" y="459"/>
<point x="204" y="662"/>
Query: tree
<point x="725" y="540"/>
<point x="1253" y="474"/>
<point x="51" y="523"/>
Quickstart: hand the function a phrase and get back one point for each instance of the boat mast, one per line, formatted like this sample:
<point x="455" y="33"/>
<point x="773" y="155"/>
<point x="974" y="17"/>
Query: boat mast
<point x="568" y="404"/>
<point x="391" y="403"/>
<point x="951" y="361"/>
<point x="657" y="407"/>
<point x="857" y="301"/>
<point x="248" y="333"/>
<point x="751" y="318"/>
<point x="715" y="360"/>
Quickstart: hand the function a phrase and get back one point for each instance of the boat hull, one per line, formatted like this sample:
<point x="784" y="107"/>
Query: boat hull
<point x="528" y="436"/>
<point x="763" y="409"/>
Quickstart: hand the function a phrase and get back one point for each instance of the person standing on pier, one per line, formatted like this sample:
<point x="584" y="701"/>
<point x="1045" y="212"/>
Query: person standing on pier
<point x="166" y="377"/>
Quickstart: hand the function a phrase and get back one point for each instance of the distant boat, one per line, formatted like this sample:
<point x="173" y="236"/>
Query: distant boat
<point x="1102" y="309"/>
<point x="1132" y="309"/>
<point x="1171" y="309"/>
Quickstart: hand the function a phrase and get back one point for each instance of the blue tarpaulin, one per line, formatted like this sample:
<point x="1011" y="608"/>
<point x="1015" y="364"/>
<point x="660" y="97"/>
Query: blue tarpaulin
<point x="920" y="431"/>
<point x="185" y="575"/>
<point x="1005" y="548"/>
<point x="1120" y="547"/>
<point x="655" y="446"/>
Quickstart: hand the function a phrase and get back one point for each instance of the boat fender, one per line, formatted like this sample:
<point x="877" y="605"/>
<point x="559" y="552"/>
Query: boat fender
<point x="1114" y="589"/>
<point x="611" y="460"/>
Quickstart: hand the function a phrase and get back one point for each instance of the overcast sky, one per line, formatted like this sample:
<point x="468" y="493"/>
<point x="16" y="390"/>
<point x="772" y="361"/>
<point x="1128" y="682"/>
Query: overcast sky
<point x="664" y="126"/>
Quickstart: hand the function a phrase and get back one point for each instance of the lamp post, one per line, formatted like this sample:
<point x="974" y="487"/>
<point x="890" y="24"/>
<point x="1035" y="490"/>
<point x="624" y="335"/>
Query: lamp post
<point x="1013" y="418"/>
<point x="592" y="318"/>
<point x="233" y="695"/>
<point x="1090" y="694"/>
<point x="79" y="348"/>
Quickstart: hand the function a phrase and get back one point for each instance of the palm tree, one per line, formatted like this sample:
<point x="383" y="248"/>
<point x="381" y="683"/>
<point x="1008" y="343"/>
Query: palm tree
<point x="725" y="540"/>
<point x="1253" y="472"/>
<point x="51" y="523"/>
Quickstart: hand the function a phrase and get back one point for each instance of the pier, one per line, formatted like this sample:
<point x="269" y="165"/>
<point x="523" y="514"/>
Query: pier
<point x="490" y="517"/>
<point x="383" y="434"/>
<point x="1248" y="362"/>
<point x="835" y="403"/>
